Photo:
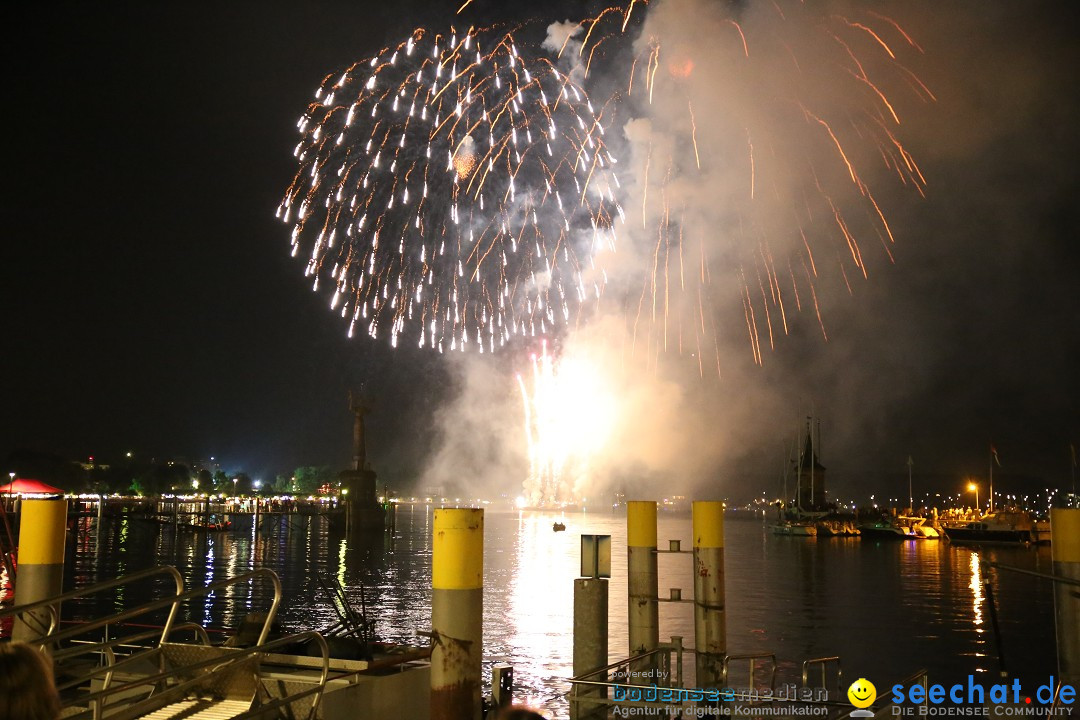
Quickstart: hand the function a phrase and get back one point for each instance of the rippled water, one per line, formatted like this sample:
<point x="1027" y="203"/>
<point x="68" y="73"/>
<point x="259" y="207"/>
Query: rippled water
<point x="886" y="608"/>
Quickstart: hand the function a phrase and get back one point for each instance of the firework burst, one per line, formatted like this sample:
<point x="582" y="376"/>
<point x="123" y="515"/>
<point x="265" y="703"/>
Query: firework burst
<point x="453" y="192"/>
<point x="569" y="413"/>
<point x="761" y="136"/>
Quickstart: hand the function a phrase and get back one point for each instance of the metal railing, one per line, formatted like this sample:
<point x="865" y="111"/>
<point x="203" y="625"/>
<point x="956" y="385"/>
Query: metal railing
<point x="107" y="651"/>
<point x="69" y="643"/>
<point x="53" y="635"/>
<point x="169" y="688"/>
<point x="920" y="677"/>
<point x="752" y="659"/>
<point x="615" y="692"/>
<point x="823" y="663"/>
<point x="172" y="602"/>
<point x="1032" y="573"/>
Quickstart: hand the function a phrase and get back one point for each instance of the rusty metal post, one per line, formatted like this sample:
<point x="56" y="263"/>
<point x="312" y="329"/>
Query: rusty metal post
<point x="710" y="637"/>
<point x="1065" y="552"/>
<point x="42" y="530"/>
<point x="644" y="613"/>
<point x="457" y="609"/>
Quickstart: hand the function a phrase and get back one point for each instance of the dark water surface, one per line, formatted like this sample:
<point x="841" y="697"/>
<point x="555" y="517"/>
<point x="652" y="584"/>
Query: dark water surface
<point x="886" y="608"/>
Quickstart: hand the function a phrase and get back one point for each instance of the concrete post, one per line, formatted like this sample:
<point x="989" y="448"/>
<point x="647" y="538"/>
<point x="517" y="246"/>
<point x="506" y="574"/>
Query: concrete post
<point x="590" y="643"/>
<point x="710" y="637"/>
<point x="1065" y="552"/>
<point x="502" y="685"/>
<point x="644" y="614"/>
<point x="40" y="572"/>
<point x="457" y="609"/>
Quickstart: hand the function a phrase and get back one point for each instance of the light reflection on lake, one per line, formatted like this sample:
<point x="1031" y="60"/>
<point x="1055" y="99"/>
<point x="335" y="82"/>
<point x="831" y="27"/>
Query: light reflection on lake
<point x="886" y="608"/>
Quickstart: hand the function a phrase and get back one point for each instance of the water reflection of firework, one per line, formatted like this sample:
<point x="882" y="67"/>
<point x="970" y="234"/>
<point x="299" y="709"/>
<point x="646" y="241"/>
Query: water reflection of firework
<point x="569" y="413"/>
<point x="453" y="191"/>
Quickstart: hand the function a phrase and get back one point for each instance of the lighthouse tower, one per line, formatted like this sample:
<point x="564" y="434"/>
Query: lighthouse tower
<point x="365" y="511"/>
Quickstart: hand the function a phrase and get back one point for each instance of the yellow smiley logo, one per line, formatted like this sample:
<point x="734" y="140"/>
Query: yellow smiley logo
<point x="862" y="693"/>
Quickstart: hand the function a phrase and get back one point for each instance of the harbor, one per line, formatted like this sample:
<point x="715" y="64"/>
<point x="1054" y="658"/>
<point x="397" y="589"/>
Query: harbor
<point x="541" y="361"/>
<point x="787" y="600"/>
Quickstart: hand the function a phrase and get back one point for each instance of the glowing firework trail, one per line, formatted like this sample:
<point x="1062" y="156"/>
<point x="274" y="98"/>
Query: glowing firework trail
<point x="568" y="416"/>
<point x="453" y="191"/>
<point x="809" y="100"/>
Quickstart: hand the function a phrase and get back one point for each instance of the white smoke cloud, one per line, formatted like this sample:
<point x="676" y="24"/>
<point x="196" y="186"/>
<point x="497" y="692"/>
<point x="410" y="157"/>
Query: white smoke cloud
<point x="709" y="331"/>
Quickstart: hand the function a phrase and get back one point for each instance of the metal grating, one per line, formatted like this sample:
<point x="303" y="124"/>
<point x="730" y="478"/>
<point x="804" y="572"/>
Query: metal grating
<point x="200" y="709"/>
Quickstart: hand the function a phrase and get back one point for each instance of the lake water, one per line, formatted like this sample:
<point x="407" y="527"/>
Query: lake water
<point x="886" y="608"/>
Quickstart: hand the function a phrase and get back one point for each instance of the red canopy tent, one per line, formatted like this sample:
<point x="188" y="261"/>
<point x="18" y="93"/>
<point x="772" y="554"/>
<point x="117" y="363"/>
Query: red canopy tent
<point x="24" y="486"/>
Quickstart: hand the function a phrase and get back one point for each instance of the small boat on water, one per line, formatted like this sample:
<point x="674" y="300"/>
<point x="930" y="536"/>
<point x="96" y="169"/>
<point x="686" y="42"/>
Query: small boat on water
<point x="803" y="517"/>
<point x="903" y="527"/>
<point x="927" y="532"/>
<point x="887" y="530"/>
<point x="794" y="527"/>
<point x="212" y="523"/>
<point x="836" y="528"/>
<point x="998" y="527"/>
<point x="558" y="526"/>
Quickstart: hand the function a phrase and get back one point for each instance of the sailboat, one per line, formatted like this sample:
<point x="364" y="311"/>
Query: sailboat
<point x="797" y="521"/>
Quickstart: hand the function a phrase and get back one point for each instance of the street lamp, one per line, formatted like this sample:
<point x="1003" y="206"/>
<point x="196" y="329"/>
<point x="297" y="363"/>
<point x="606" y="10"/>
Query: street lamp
<point x="972" y="487"/>
<point x="234" y="481"/>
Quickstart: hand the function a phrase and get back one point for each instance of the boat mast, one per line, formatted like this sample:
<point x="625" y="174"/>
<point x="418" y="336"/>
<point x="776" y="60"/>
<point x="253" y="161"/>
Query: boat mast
<point x="798" y="467"/>
<point x="1074" y="473"/>
<point x="991" y="505"/>
<point x="810" y="432"/>
<point x="783" y="472"/>
<point x="910" y="500"/>
<point x="1072" y="452"/>
<point x="815" y="455"/>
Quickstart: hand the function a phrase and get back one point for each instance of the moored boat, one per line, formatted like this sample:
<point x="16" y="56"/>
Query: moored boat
<point x="791" y="527"/>
<point x="903" y="527"/>
<point x="834" y="527"/>
<point x="999" y="527"/>
<point x="887" y="530"/>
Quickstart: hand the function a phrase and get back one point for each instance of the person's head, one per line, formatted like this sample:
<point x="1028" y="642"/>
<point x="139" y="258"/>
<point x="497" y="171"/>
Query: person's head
<point x="27" y="690"/>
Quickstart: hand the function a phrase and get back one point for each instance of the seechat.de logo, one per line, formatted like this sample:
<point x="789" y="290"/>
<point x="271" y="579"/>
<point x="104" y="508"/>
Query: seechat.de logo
<point x="862" y="694"/>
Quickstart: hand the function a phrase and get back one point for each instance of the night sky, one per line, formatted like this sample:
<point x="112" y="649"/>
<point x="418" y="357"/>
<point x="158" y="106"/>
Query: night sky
<point x="151" y="305"/>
